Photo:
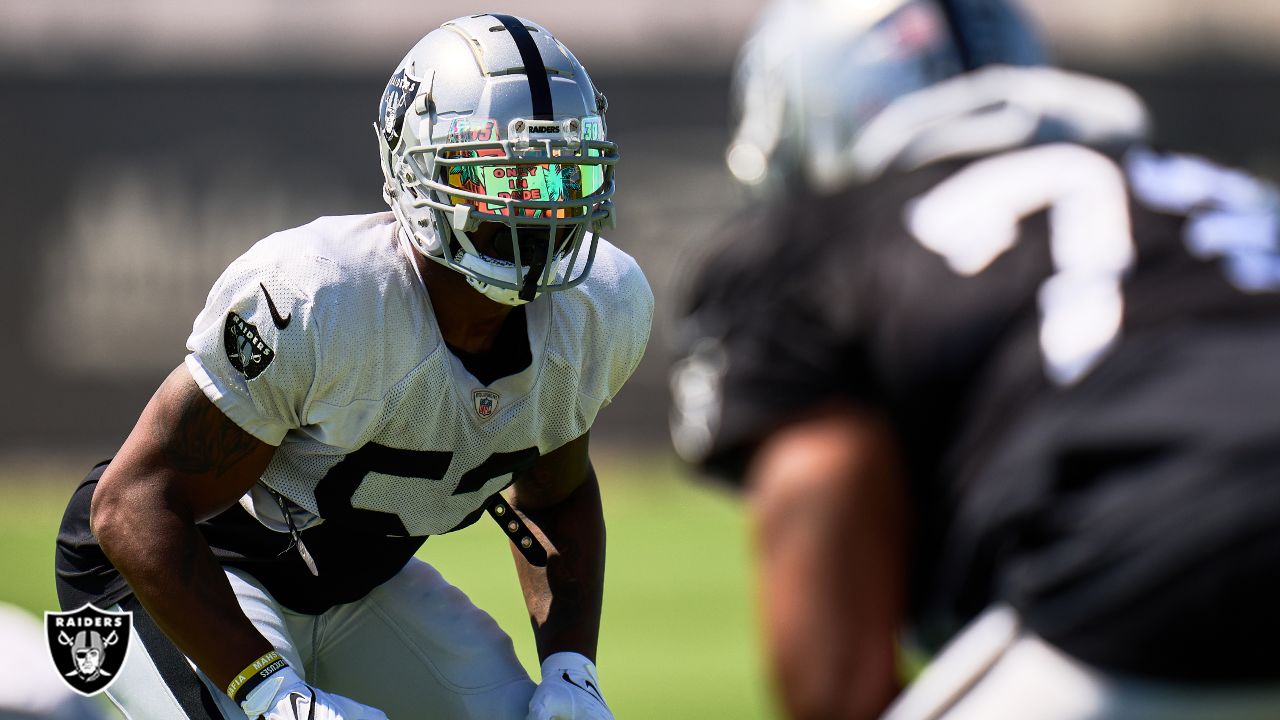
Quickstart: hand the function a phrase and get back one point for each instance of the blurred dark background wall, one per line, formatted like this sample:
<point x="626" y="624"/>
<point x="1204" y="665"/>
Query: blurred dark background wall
<point x="144" y="148"/>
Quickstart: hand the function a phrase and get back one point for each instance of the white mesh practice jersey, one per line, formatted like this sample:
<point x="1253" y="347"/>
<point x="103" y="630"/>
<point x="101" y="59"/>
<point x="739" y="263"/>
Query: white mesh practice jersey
<point x="322" y="340"/>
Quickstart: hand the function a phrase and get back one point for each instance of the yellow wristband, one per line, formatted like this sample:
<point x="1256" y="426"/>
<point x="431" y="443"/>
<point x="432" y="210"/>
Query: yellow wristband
<point x="255" y="672"/>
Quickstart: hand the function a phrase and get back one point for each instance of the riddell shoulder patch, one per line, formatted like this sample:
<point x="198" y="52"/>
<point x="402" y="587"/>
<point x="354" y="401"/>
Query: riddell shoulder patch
<point x="246" y="349"/>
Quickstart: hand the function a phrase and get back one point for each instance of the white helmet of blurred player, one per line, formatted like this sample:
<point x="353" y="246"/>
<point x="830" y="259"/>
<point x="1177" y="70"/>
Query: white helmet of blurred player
<point x="815" y="72"/>
<point x="493" y="151"/>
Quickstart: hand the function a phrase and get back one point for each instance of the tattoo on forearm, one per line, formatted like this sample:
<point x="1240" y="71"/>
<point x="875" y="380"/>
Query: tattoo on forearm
<point x="204" y="440"/>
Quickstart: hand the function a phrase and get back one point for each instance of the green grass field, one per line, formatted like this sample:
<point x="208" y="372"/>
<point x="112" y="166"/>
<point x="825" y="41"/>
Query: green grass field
<point x="678" y="639"/>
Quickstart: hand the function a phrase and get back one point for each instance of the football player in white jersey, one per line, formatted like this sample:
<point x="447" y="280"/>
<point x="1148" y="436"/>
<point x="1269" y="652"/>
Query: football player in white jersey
<point x="360" y="383"/>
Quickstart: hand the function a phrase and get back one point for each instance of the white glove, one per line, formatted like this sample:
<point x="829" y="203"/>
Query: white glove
<point x="284" y="696"/>
<point x="570" y="690"/>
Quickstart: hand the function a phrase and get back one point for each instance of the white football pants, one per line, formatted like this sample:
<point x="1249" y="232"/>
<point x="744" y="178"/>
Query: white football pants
<point x="996" y="670"/>
<point x="414" y="647"/>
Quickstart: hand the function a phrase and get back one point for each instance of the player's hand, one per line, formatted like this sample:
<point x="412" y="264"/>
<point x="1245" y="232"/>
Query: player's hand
<point x="570" y="690"/>
<point x="292" y="699"/>
<point x="308" y="703"/>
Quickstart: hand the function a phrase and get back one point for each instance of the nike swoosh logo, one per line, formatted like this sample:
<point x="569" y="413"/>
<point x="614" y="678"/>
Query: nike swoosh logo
<point x="593" y="692"/>
<point x="281" y="322"/>
<point x="294" y="697"/>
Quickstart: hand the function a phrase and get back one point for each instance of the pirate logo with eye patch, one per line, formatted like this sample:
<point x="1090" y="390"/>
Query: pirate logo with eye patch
<point x="88" y="646"/>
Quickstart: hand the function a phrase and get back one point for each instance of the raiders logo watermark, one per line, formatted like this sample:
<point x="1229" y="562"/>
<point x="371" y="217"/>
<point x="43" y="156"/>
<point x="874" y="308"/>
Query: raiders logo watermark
<point x="88" y="646"/>
<point x="245" y="347"/>
<point x="486" y="403"/>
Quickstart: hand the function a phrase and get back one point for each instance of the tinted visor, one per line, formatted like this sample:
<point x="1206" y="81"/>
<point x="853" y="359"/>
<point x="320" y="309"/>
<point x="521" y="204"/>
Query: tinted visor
<point x="548" y="182"/>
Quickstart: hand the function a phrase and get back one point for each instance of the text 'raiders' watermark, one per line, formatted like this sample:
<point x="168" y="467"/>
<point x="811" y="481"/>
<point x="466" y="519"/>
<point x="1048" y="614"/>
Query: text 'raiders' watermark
<point x="88" y="646"/>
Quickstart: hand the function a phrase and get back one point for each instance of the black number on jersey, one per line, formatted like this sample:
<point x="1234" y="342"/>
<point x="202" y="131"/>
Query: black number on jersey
<point x="335" y="490"/>
<point x="496" y="464"/>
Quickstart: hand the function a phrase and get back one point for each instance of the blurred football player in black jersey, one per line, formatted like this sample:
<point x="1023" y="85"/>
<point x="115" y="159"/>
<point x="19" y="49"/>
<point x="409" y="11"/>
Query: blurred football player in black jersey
<point x="997" y="377"/>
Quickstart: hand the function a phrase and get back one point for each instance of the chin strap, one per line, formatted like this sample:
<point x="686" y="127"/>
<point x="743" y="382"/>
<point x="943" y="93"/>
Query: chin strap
<point x="530" y="288"/>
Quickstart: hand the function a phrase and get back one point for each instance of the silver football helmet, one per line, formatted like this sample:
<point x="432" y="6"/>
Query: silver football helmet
<point x="494" y="155"/>
<point x="815" y="72"/>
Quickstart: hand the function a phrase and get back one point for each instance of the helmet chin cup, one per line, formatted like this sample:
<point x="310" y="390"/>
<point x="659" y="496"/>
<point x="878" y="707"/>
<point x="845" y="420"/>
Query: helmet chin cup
<point x="479" y="265"/>
<point x="497" y="294"/>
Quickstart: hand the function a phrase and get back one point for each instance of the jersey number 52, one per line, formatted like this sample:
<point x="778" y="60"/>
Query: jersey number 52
<point x="339" y="485"/>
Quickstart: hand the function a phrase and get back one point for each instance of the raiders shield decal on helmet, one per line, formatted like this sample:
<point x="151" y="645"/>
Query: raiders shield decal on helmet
<point x="88" y="646"/>
<point x="486" y="403"/>
<point x="401" y="90"/>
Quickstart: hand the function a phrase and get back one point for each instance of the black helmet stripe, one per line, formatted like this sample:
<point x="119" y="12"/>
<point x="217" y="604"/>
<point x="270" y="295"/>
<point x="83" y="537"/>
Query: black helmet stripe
<point x="534" y="69"/>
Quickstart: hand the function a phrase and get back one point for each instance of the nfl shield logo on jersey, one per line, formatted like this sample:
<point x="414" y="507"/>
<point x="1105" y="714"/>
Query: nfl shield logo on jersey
<point x="88" y="646"/>
<point x="486" y="403"/>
